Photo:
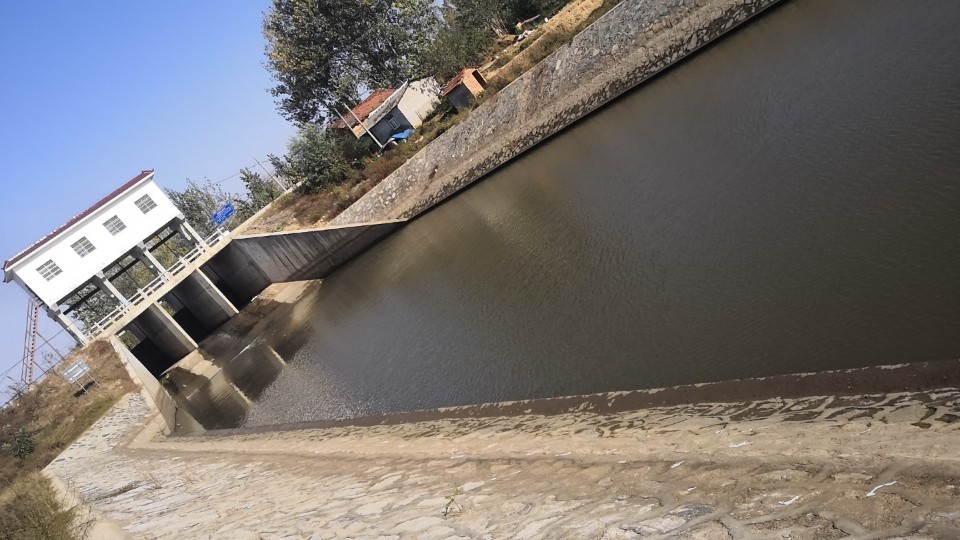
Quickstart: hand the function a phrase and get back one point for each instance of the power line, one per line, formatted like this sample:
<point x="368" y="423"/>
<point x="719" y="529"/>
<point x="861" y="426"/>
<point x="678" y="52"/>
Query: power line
<point x="24" y="358"/>
<point x="38" y="378"/>
<point x="236" y="174"/>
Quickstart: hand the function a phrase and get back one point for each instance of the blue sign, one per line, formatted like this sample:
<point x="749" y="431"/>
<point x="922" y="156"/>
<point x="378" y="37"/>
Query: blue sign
<point x="223" y="214"/>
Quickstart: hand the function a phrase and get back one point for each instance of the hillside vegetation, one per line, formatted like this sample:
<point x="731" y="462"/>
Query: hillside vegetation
<point x="40" y="424"/>
<point x="320" y="199"/>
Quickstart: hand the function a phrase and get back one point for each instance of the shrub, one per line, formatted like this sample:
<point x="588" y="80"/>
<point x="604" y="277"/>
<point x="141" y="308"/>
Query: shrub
<point x="314" y="159"/>
<point x="23" y="445"/>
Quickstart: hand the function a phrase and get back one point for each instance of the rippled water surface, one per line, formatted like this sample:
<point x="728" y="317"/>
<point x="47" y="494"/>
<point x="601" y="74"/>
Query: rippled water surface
<point x="787" y="200"/>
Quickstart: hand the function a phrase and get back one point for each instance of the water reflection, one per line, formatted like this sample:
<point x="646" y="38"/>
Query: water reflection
<point x="220" y="393"/>
<point x="784" y="201"/>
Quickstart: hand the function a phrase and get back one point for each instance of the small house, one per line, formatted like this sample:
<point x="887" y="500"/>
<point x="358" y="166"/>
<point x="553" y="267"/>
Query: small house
<point x="385" y="113"/>
<point x="464" y="88"/>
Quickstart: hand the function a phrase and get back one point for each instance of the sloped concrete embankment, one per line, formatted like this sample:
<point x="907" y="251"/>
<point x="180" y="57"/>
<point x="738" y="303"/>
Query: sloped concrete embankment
<point x="633" y="42"/>
<point x="869" y="466"/>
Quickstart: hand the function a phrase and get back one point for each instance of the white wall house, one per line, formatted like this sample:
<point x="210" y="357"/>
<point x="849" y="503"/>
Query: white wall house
<point x="76" y="254"/>
<point x="419" y="100"/>
<point x="387" y="112"/>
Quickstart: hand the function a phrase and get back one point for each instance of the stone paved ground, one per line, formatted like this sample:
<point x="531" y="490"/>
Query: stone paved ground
<point x="870" y="467"/>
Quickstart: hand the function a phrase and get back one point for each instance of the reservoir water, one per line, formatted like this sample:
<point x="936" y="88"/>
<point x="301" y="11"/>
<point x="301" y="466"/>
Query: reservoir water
<point x="786" y="200"/>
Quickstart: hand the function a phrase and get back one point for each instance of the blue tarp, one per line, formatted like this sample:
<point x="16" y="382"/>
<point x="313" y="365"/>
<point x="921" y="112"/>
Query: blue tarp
<point x="403" y="134"/>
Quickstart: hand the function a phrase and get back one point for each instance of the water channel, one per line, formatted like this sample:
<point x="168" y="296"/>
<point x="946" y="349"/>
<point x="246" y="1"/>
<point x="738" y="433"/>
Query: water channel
<point x="787" y="200"/>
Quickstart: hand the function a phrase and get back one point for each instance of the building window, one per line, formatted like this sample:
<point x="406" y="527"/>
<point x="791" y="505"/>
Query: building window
<point x="114" y="225"/>
<point x="49" y="270"/>
<point x="83" y="247"/>
<point x="393" y="123"/>
<point x="145" y="204"/>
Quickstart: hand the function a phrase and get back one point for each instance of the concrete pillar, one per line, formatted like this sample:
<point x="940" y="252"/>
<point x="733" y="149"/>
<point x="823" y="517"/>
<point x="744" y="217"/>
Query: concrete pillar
<point x="209" y="288"/>
<point x="165" y="333"/>
<point x="275" y="356"/>
<point x="187" y="231"/>
<point x="236" y="275"/>
<point x="199" y="295"/>
<point x="68" y="325"/>
<point x="137" y="371"/>
<point x="142" y="254"/>
<point x="102" y="283"/>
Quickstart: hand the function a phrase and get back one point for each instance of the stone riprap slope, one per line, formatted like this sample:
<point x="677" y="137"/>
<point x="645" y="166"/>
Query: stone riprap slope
<point x="874" y="466"/>
<point x="634" y="41"/>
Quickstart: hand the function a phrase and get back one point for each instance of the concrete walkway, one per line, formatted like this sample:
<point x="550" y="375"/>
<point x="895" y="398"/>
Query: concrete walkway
<point x="866" y="467"/>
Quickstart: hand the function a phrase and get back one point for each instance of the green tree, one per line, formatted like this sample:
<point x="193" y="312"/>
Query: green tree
<point x="321" y="52"/>
<point x="199" y="202"/>
<point x="314" y="159"/>
<point x="260" y="193"/>
<point x="470" y="28"/>
<point x="458" y="44"/>
<point x="519" y="10"/>
<point x="97" y="306"/>
<point x="490" y="15"/>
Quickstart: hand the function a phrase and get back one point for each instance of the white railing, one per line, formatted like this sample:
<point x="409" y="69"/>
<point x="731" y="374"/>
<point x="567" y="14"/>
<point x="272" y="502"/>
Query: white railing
<point x="144" y="294"/>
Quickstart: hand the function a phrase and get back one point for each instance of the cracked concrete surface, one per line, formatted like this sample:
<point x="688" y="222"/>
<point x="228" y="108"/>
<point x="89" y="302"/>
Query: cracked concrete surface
<point x="878" y="466"/>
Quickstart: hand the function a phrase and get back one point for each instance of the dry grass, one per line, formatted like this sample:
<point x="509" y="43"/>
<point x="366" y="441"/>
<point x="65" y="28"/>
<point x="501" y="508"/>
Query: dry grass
<point x="30" y="510"/>
<point x="55" y="413"/>
<point x="549" y="37"/>
<point x="304" y="210"/>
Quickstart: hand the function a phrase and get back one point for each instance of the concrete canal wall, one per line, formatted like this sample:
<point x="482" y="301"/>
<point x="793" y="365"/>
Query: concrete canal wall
<point x="633" y="42"/>
<point x="310" y="254"/>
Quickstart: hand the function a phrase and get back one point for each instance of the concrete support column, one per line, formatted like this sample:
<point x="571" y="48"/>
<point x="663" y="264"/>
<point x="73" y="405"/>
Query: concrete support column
<point x="165" y="333"/>
<point x="238" y="277"/>
<point x="187" y="231"/>
<point x="68" y="325"/>
<point x="102" y="283"/>
<point x="225" y="305"/>
<point x="142" y="254"/>
<point x="202" y="298"/>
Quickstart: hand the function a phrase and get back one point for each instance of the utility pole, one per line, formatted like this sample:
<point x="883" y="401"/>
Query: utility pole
<point x="282" y="186"/>
<point x="363" y="127"/>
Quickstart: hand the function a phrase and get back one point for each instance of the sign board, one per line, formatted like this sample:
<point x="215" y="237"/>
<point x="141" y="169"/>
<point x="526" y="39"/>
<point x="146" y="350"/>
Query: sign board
<point x="76" y="370"/>
<point x="223" y="214"/>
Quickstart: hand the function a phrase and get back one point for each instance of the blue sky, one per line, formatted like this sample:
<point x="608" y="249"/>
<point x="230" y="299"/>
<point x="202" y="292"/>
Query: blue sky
<point x="91" y="93"/>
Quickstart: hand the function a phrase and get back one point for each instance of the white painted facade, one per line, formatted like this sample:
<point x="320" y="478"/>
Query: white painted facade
<point x="76" y="270"/>
<point x="420" y="99"/>
<point x="404" y="109"/>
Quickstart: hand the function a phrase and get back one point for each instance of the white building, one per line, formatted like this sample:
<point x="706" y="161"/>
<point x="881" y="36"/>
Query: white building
<point x="77" y="255"/>
<point x="385" y="113"/>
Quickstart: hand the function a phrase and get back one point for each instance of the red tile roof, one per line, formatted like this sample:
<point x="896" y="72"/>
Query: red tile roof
<point x="367" y="106"/>
<point x="456" y="80"/>
<point x="113" y="195"/>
